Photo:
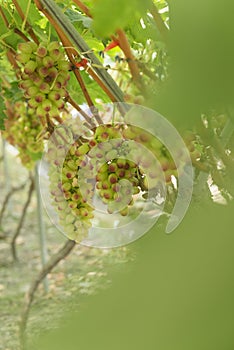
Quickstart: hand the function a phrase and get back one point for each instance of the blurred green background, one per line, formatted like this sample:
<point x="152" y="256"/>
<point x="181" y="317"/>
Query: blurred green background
<point x="179" y="293"/>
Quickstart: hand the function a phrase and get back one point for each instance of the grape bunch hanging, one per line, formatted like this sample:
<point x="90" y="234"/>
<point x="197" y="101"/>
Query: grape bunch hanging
<point x="44" y="74"/>
<point x="21" y="130"/>
<point x="106" y="163"/>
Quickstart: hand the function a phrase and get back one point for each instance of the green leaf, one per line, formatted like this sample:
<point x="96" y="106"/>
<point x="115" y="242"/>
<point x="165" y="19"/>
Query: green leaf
<point x="34" y="15"/>
<point x="75" y="16"/>
<point x="110" y="15"/>
<point x="93" y="89"/>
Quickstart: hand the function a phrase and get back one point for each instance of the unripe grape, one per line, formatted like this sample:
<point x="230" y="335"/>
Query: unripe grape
<point x="99" y="185"/>
<point x="101" y="177"/>
<point x="52" y="73"/>
<point x="32" y="91"/>
<point x="53" y="45"/>
<point x="82" y="150"/>
<point x="25" y="84"/>
<point x="23" y="57"/>
<point x="106" y="185"/>
<point x="76" y="197"/>
<point x="120" y="173"/>
<point x="113" y="178"/>
<point x="41" y="51"/>
<point x="63" y="65"/>
<point x="46" y="105"/>
<point x="72" y="164"/>
<point x="59" y="104"/>
<point x="27" y="48"/>
<point x="55" y="55"/>
<point x="40" y="111"/>
<point x="107" y="194"/>
<point x="124" y="212"/>
<point x="103" y="168"/>
<point x="112" y="168"/>
<point x="72" y="205"/>
<point x="66" y="186"/>
<point x="54" y="96"/>
<point x="37" y="80"/>
<point x="116" y="187"/>
<point x="43" y="71"/>
<point x="111" y="155"/>
<point x="39" y="98"/>
<point x="30" y="67"/>
<point x="22" y="130"/>
<point x="92" y="143"/>
<point x="44" y="88"/>
<point x="48" y="62"/>
<point x="121" y="163"/>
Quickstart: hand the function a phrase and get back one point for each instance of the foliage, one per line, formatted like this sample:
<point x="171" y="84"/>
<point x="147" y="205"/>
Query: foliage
<point x="139" y="29"/>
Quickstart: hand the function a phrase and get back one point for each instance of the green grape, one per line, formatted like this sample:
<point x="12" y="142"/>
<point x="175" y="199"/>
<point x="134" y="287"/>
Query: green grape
<point x="22" y="129"/>
<point x="45" y="74"/>
<point x="66" y="192"/>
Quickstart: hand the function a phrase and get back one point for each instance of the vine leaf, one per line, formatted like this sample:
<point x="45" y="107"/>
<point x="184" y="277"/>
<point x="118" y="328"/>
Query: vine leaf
<point x="110" y="15"/>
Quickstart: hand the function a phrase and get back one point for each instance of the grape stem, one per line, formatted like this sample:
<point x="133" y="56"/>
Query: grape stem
<point x="130" y="58"/>
<point x="11" y="58"/>
<point x="27" y="25"/>
<point x="4" y="17"/>
<point x="79" y="109"/>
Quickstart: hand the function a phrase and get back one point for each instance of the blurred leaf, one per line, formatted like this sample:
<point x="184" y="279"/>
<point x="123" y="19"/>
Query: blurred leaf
<point x="179" y="294"/>
<point x="75" y="16"/>
<point x="110" y="15"/>
<point x="202" y="56"/>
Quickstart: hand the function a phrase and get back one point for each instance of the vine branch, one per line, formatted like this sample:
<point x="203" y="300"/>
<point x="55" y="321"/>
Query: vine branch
<point x="21" y="221"/>
<point x="123" y="44"/>
<point x="130" y="58"/>
<point x="27" y="25"/>
<point x="83" y="8"/>
<point x="7" y="198"/>
<point x="162" y="28"/>
<point x="48" y="267"/>
<point x="102" y="77"/>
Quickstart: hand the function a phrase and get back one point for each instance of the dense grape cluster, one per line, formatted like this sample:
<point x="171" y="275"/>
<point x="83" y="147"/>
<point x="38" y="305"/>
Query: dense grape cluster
<point x="75" y="213"/>
<point x="21" y="130"/>
<point x="116" y="176"/>
<point x="160" y="152"/>
<point x="44" y="77"/>
<point x="117" y="164"/>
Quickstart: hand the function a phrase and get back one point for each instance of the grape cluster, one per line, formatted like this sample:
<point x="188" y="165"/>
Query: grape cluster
<point x="163" y="161"/>
<point x="75" y="213"/>
<point x="44" y="77"/>
<point x="118" y="164"/>
<point x="116" y="175"/>
<point x="21" y="130"/>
